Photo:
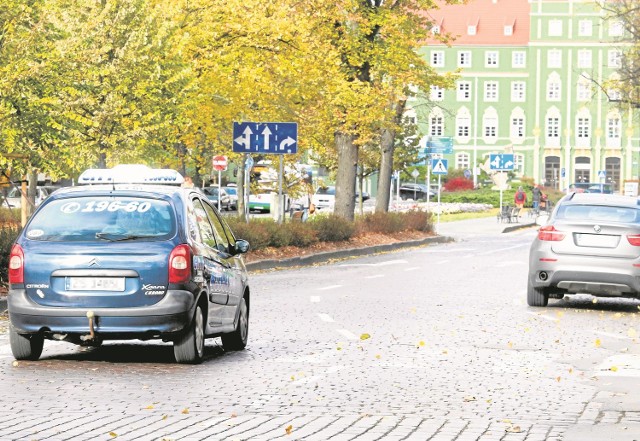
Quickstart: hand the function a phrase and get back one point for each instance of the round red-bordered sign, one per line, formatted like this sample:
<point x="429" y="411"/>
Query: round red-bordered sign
<point x="219" y="163"/>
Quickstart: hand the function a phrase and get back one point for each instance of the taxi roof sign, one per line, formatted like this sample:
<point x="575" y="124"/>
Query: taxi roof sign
<point x="130" y="174"/>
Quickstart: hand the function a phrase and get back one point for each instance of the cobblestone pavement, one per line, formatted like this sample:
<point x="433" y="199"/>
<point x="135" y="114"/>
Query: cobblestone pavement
<point x="434" y="343"/>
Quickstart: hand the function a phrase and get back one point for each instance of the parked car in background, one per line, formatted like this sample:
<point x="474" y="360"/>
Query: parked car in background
<point x="232" y="192"/>
<point x="324" y="198"/>
<point x="261" y="201"/>
<point x="591" y="187"/>
<point x="590" y="244"/>
<point x="214" y="194"/>
<point x="137" y="258"/>
<point x="14" y="196"/>
<point x="415" y="191"/>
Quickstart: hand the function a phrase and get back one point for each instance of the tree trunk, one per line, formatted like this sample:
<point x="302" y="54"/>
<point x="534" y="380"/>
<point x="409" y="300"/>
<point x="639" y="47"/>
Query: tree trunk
<point x="346" y="177"/>
<point x="386" y="169"/>
<point x="387" y="144"/>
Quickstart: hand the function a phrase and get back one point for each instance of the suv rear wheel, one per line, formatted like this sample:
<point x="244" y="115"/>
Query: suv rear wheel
<point x="536" y="296"/>
<point x="25" y="347"/>
<point x="190" y="347"/>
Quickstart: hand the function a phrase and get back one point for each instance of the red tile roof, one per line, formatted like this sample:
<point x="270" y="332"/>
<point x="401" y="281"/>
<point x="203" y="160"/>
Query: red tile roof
<point x="490" y="18"/>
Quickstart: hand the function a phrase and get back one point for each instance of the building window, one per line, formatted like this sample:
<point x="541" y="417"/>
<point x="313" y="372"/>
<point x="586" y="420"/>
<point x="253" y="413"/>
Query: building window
<point x="490" y="129"/>
<point x="437" y="59"/>
<point x="553" y="131"/>
<point x="616" y="29"/>
<point x="614" y="94"/>
<point x="614" y="57"/>
<point x="518" y="160"/>
<point x="584" y="58"/>
<point x="584" y="90"/>
<point x="614" y="127"/>
<point x="517" y="128"/>
<point x="491" y="59"/>
<point x="518" y="59"/>
<point x="508" y="30"/>
<point x="435" y="29"/>
<point x="463" y="126"/>
<point x="436" y="93"/>
<point x="491" y="91"/>
<point x="552" y="171"/>
<point x="583" y="131"/>
<point x="585" y="28"/>
<point x="518" y="91"/>
<point x="463" y="92"/>
<point x="555" y="28"/>
<point x="471" y="30"/>
<point x="553" y="90"/>
<point x="464" y="59"/>
<point x="437" y="125"/>
<point x="554" y="58"/>
<point x="462" y="161"/>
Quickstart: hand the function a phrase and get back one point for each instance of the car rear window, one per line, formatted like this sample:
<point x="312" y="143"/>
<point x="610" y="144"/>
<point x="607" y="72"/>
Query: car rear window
<point x="107" y="218"/>
<point x="600" y="213"/>
<point x="326" y="190"/>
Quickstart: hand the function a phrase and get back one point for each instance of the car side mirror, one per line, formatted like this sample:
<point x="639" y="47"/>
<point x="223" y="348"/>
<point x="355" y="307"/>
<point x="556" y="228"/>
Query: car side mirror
<point x="242" y="246"/>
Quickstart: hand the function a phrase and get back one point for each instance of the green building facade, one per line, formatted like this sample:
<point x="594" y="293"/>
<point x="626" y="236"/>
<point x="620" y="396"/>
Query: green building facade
<point x="535" y="80"/>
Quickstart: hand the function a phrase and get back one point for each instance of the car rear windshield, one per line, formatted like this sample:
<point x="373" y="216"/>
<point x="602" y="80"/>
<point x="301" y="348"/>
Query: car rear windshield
<point x="106" y="218"/>
<point x="599" y="213"/>
<point x="326" y="190"/>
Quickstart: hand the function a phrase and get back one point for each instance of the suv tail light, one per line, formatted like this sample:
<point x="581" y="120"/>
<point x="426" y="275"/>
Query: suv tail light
<point x="180" y="264"/>
<point x="16" y="265"/>
<point x="634" y="239"/>
<point x="548" y="232"/>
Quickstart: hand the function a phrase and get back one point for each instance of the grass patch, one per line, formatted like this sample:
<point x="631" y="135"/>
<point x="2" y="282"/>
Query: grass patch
<point x="451" y="217"/>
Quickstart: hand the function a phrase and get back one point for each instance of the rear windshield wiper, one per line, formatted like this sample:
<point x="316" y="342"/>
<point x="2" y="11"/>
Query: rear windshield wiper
<point x="121" y="237"/>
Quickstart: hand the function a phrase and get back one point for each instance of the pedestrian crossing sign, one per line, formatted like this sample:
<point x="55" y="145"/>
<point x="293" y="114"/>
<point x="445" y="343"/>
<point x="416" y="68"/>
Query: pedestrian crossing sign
<point x="439" y="166"/>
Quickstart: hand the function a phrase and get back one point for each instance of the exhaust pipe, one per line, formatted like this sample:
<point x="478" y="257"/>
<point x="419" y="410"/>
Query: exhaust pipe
<point x="542" y="275"/>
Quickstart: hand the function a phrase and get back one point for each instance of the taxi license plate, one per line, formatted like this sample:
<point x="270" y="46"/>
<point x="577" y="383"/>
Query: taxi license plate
<point x="95" y="283"/>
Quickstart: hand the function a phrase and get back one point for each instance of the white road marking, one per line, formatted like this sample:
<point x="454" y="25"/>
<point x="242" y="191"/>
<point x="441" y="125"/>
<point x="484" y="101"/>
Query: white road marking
<point x="503" y="249"/>
<point x="413" y="268"/>
<point x="348" y="334"/>
<point x="324" y="288"/>
<point x="326" y="318"/>
<point x="388" y="262"/>
<point x="314" y="299"/>
<point x="442" y="261"/>
<point x="376" y="276"/>
<point x="448" y="250"/>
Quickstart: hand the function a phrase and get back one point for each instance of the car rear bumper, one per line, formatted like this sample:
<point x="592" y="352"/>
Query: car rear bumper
<point x="606" y="283"/>
<point x="170" y="315"/>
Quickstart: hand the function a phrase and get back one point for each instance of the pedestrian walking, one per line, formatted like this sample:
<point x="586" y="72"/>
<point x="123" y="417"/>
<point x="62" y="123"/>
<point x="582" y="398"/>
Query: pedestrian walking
<point x="535" y="197"/>
<point x="520" y="198"/>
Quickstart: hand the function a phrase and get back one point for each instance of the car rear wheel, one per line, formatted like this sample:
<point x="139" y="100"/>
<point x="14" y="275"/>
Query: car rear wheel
<point x="25" y="347"/>
<point x="536" y="296"/>
<point x="237" y="340"/>
<point x="190" y="347"/>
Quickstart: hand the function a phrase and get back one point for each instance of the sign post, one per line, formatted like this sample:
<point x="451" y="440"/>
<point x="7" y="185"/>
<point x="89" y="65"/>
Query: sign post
<point x="439" y="167"/>
<point x="501" y="162"/>
<point x="220" y="164"/>
<point x="279" y="138"/>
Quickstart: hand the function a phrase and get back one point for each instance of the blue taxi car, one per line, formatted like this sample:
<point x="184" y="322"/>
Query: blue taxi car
<point x="129" y="254"/>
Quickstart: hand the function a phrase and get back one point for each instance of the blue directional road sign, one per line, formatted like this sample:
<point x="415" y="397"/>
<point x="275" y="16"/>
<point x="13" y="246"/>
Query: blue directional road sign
<point x="439" y="166"/>
<point x="501" y="161"/>
<point x="257" y="137"/>
<point x="439" y="144"/>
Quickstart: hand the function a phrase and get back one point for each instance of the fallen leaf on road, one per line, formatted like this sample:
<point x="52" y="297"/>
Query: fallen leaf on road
<point x="613" y="368"/>
<point x="421" y="343"/>
<point x="378" y="356"/>
<point x="113" y="434"/>
<point x="149" y="407"/>
<point x="510" y="345"/>
<point x="16" y="364"/>
<point x="598" y="343"/>
<point x="185" y="410"/>
<point x="288" y="429"/>
<point x="164" y="417"/>
<point x="469" y="398"/>
<point x="365" y="337"/>
<point x="632" y="333"/>
<point x="513" y="429"/>
<point x="558" y="379"/>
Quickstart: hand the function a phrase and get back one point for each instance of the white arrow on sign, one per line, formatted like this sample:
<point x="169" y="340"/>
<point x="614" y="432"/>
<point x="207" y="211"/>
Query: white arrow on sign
<point x="287" y="142"/>
<point x="266" y="133"/>
<point x="496" y="162"/>
<point x="508" y="164"/>
<point x="245" y="139"/>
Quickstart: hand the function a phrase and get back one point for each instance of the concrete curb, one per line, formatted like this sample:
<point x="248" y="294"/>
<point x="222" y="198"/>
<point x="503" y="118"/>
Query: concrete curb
<point x="341" y="254"/>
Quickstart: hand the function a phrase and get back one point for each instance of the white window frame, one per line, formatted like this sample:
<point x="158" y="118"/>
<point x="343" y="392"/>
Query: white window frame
<point x="464" y="58"/>
<point x="614" y="131"/>
<point x="518" y="91"/>
<point x="555" y="28"/>
<point x="435" y="29"/>
<point x="471" y="30"/>
<point x="583" y="130"/>
<point x="585" y="58"/>
<point x="517" y="128"/>
<point x="436" y="93"/>
<point x="519" y="59"/>
<point x="518" y="161"/>
<point x="491" y="59"/>
<point x="554" y="91"/>
<point x="583" y="90"/>
<point x="491" y="91"/>
<point x="437" y="58"/>
<point x="463" y="127"/>
<point x="616" y="28"/>
<point x="614" y="58"/>
<point x="490" y="128"/>
<point x="554" y="58"/>
<point x="552" y="130"/>
<point x="508" y="30"/>
<point x="585" y="28"/>
<point x="463" y="160"/>
<point x="463" y="91"/>
<point x="436" y="124"/>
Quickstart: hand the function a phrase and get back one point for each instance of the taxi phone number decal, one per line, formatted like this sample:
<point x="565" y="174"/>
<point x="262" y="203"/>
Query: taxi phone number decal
<point x="97" y="206"/>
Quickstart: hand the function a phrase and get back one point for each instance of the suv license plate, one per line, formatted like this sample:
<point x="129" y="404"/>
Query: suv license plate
<point x="94" y="284"/>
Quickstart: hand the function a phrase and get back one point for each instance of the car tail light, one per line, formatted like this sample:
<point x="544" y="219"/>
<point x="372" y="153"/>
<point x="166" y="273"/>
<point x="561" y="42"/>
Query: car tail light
<point x="548" y="232"/>
<point x="634" y="239"/>
<point x="180" y="264"/>
<point x="16" y="265"/>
